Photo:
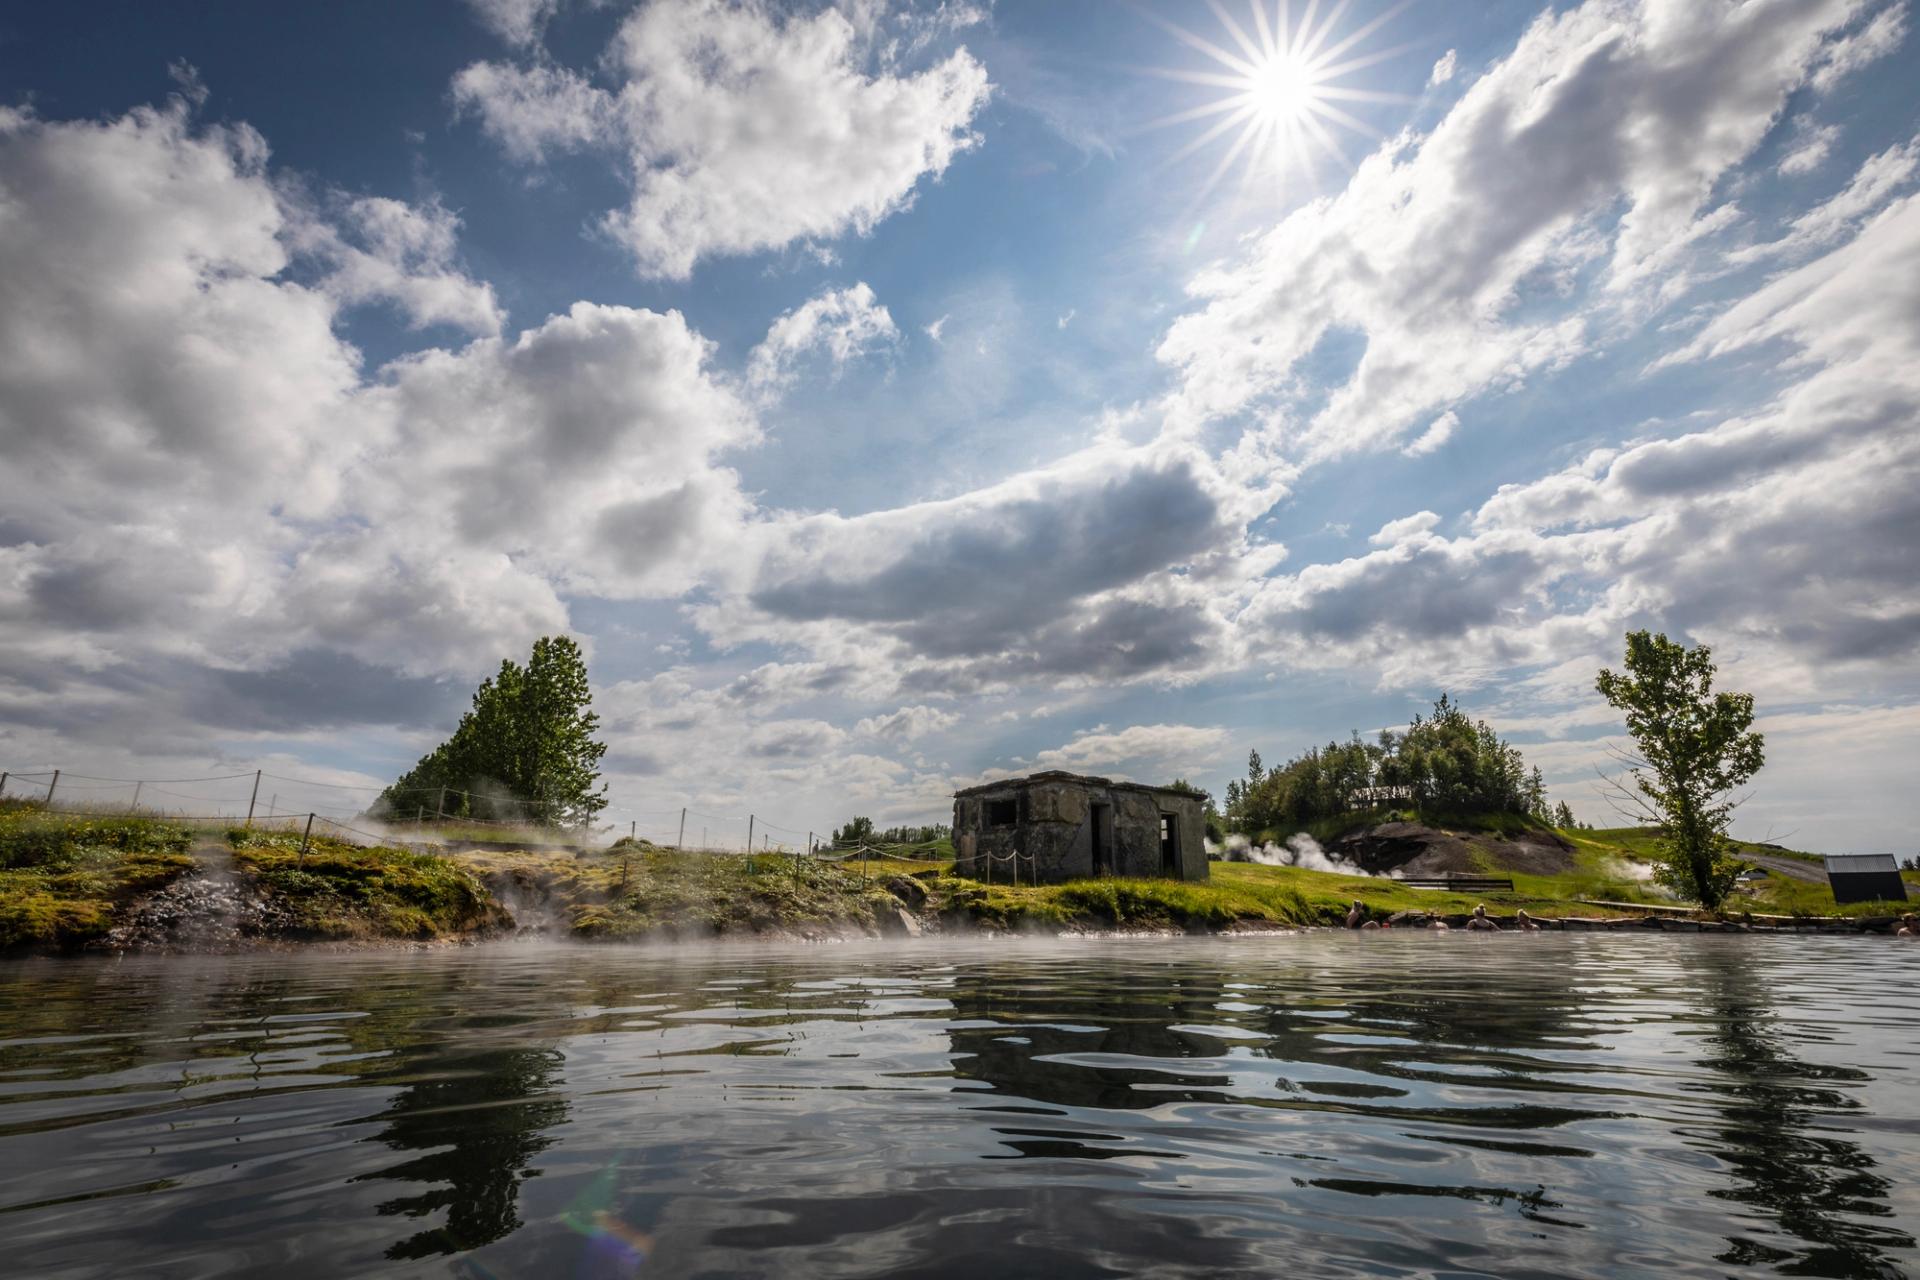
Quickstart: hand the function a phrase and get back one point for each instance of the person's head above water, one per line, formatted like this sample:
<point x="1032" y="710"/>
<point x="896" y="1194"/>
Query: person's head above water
<point x="1480" y="909"/>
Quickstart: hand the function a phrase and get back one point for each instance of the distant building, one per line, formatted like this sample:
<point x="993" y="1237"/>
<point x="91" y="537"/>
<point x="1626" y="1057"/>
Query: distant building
<point x="1865" y="877"/>
<point x="1050" y="827"/>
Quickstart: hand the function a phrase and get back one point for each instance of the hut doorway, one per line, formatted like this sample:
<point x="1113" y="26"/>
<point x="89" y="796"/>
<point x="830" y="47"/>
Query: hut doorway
<point x="1169" y="846"/>
<point x="1102" y="839"/>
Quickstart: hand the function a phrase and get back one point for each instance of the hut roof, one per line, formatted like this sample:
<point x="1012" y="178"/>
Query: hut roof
<point x="1080" y="779"/>
<point x="1861" y="863"/>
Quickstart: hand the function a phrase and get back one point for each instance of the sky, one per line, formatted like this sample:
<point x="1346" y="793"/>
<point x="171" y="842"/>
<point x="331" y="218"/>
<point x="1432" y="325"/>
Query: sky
<point x="892" y="396"/>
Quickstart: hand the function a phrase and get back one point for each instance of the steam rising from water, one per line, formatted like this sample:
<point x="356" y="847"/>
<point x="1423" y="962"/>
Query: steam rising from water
<point x="1300" y="850"/>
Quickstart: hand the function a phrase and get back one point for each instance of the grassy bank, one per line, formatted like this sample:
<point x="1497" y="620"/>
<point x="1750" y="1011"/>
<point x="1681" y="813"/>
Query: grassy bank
<point x="344" y="891"/>
<point x="65" y="881"/>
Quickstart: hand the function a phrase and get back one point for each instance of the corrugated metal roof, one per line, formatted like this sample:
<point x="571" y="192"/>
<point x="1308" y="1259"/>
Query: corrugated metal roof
<point x="1855" y="863"/>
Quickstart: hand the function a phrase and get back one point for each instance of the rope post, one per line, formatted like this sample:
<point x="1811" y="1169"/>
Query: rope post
<point x="51" y="786"/>
<point x="680" y="841"/>
<point x="440" y="810"/>
<point x="254" y="797"/>
<point x="303" y="842"/>
<point x="3" y="783"/>
<point x="749" y="835"/>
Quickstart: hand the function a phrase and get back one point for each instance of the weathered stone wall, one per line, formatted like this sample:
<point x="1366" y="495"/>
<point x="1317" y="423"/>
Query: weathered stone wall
<point x="1054" y="836"/>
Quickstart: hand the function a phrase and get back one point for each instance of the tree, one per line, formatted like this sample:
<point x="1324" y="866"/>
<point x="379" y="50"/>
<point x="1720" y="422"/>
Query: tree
<point x="858" y="831"/>
<point x="1563" y="816"/>
<point x="525" y="751"/>
<point x="1695" y="748"/>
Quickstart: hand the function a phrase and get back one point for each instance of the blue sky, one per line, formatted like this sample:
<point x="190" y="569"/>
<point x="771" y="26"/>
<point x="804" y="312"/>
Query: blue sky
<point x="890" y="395"/>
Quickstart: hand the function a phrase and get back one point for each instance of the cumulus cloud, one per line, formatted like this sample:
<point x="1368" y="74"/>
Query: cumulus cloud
<point x="1451" y="253"/>
<point x="1159" y="751"/>
<point x="908" y="723"/>
<point x="1092" y="566"/>
<point x="384" y="250"/>
<point x="427" y="518"/>
<point x="1783" y="533"/>
<point x="743" y="127"/>
<point x="518" y="22"/>
<point x="1443" y="69"/>
<point x="842" y="323"/>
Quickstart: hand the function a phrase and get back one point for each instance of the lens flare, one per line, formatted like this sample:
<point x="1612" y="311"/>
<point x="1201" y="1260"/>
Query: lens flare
<point x="1283" y="82"/>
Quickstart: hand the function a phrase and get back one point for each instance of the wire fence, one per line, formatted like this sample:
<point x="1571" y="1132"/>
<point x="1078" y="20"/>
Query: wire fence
<point x="260" y="798"/>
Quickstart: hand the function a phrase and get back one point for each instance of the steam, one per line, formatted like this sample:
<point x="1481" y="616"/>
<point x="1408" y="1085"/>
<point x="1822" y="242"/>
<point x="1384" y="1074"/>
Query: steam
<point x="1300" y="850"/>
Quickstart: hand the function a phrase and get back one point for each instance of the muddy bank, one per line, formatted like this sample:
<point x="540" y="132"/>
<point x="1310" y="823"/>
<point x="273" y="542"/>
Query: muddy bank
<point x="1413" y="849"/>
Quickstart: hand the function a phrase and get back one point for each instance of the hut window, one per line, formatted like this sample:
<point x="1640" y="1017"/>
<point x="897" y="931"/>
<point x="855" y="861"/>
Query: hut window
<point x="1003" y="813"/>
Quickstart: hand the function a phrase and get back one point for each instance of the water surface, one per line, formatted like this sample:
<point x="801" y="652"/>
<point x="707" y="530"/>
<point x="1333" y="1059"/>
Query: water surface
<point x="1313" y="1105"/>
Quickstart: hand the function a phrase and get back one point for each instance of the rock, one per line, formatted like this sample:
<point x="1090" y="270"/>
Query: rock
<point x="905" y="888"/>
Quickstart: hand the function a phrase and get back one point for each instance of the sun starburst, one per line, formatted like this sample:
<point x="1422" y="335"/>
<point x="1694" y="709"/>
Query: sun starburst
<point x="1284" y="86"/>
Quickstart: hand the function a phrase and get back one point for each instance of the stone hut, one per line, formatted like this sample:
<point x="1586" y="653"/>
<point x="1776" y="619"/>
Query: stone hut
<point x="1057" y="826"/>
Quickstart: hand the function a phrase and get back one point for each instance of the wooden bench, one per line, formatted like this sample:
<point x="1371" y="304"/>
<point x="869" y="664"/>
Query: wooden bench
<point x="1461" y="884"/>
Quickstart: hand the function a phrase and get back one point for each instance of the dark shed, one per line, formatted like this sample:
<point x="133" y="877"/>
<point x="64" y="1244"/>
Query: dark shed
<point x="1865" y="877"/>
<point x="1055" y="826"/>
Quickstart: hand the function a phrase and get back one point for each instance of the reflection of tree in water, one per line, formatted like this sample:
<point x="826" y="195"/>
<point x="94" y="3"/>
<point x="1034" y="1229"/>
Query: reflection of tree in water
<point x="1780" y="1138"/>
<point x="480" y="1118"/>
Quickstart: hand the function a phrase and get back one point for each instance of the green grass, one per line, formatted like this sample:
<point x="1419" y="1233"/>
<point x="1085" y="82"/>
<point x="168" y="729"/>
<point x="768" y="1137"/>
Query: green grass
<point x="345" y="891"/>
<point x="656" y="892"/>
<point x="1237" y="892"/>
<point x="66" y="880"/>
<point x="1776" y="895"/>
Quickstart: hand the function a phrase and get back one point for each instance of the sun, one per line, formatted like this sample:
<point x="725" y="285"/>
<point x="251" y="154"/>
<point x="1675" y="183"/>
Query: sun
<point x="1283" y="87"/>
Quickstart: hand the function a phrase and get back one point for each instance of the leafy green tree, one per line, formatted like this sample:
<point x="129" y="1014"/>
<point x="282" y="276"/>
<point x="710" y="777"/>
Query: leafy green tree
<point x="1563" y="816"/>
<point x="858" y="831"/>
<point x="1695" y="747"/>
<point x="525" y="751"/>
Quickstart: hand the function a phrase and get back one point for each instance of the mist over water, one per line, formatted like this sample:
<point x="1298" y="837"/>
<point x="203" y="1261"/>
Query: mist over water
<point x="1308" y="1105"/>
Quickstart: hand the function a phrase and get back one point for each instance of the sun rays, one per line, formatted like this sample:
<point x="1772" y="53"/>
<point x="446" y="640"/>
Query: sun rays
<point x="1283" y="81"/>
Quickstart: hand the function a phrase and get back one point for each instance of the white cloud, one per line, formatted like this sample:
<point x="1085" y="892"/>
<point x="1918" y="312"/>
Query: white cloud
<point x="1878" y="180"/>
<point x="841" y="322"/>
<point x="1452" y="253"/>
<point x="1443" y="69"/>
<point x="1405" y="528"/>
<point x="1809" y="149"/>
<point x="534" y="111"/>
<point x="405" y="254"/>
<point x="1876" y="40"/>
<point x="1434" y="436"/>
<point x="518" y="22"/>
<point x="1065" y="319"/>
<point x="938" y="327"/>
<point x="908" y="723"/>
<point x="745" y="128"/>
<point x="1159" y="751"/>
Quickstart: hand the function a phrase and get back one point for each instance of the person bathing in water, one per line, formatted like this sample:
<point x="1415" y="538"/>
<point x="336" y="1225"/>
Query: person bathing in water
<point x="1479" y="922"/>
<point x="1524" y="922"/>
<point x="1909" y="927"/>
<point x="1357" y="918"/>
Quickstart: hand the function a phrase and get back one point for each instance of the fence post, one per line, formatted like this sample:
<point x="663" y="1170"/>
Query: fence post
<point x="3" y="783"/>
<point x="136" y="795"/>
<point x="680" y="841"/>
<point x="303" y="842"/>
<point x="749" y="835"/>
<point x="440" y="811"/>
<point x="51" y="786"/>
<point x="254" y="797"/>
